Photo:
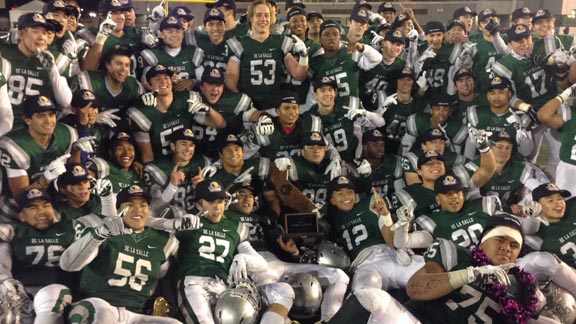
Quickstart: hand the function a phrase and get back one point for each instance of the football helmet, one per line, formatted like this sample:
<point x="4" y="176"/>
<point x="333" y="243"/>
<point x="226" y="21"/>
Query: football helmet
<point x="238" y="305"/>
<point x="327" y="254"/>
<point x="308" y="295"/>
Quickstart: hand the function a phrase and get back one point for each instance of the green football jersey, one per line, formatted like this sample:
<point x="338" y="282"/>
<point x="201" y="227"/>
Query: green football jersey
<point x="356" y="229"/>
<point x="238" y="31"/>
<point x="92" y="206"/>
<point x="388" y="177"/>
<point x="420" y="122"/>
<point x="568" y="142"/>
<point x="374" y="83"/>
<point x="36" y="253"/>
<point x="546" y="46"/>
<point x="534" y="84"/>
<point x="120" y="178"/>
<point x="425" y="199"/>
<point x="439" y="68"/>
<point x="255" y="224"/>
<point x="215" y="55"/>
<point x="26" y="77"/>
<point x="261" y="67"/>
<point x="344" y="69"/>
<point x="282" y="144"/>
<point x="396" y="117"/>
<point x="159" y="126"/>
<point x="464" y="227"/>
<point x="468" y="304"/>
<point x="97" y="83"/>
<point x="19" y="151"/>
<point x="484" y="57"/>
<point x="158" y="173"/>
<point x="132" y="40"/>
<point x="303" y="87"/>
<point x="260" y="171"/>
<point x="461" y="106"/>
<point x="344" y="134"/>
<point x="184" y="64"/>
<point x="208" y="251"/>
<point x="127" y="268"/>
<point x="310" y="178"/>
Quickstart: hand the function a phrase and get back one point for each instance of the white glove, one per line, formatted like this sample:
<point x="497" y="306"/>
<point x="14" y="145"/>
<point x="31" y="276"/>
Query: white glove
<point x="158" y="12"/>
<point x="149" y="98"/>
<point x="84" y="144"/>
<point x="245" y="176"/>
<point x="198" y="107"/>
<point x="427" y="54"/>
<point x="46" y="59"/>
<point x="405" y="215"/>
<point x="107" y="117"/>
<point x="569" y="94"/>
<point x="69" y="47"/>
<point x="188" y="222"/>
<point x="413" y="35"/>
<point x="56" y="167"/>
<point x="334" y="168"/>
<point x="355" y="113"/>
<point x="283" y="164"/>
<point x="533" y="209"/>
<point x="209" y="171"/>
<point x="403" y="257"/>
<point x="376" y="19"/>
<point x="390" y="100"/>
<point x="363" y="167"/>
<point x="11" y="289"/>
<point x="150" y="39"/>
<point x="422" y="82"/>
<point x="101" y="187"/>
<point x="112" y="226"/>
<point x="237" y="270"/>
<point x="265" y="126"/>
<point x="480" y="137"/>
<point x="559" y="57"/>
<point x="299" y="47"/>
<point x="498" y="273"/>
<point x="107" y="26"/>
<point x="377" y="39"/>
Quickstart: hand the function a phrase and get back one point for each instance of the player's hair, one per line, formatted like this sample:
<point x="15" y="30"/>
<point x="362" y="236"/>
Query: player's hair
<point x="252" y="11"/>
<point x="120" y="50"/>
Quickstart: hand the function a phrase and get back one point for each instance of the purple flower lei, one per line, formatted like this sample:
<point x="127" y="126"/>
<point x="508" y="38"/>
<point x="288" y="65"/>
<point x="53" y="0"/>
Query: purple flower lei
<point x="514" y="310"/>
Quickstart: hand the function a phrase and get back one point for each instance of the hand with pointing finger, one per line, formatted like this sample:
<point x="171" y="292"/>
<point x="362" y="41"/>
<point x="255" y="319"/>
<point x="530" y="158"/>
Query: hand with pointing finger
<point x="177" y="176"/>
<point x="56" y="167"/>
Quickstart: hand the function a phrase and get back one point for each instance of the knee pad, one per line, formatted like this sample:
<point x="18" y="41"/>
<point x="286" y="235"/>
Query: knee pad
<point x="369" y="277"/>
<point x="52" y="298"/>
<point x="278" y="293"/>
<point x="93" y="310"/>
<point x="541" y="265"/>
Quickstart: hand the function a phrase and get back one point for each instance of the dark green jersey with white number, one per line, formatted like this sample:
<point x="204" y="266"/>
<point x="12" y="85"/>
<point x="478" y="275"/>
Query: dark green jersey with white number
<point x="483" y="59"/>
<point x="282" y="144"/>
<point x="425" y="199"/>
<point x="568" y="142"/>
<point x="464" y="227"/>
<point x="439" y="68"/>
<point x="374" y="82"/>
<point x="183" y="64"/>
<point x="96" y="82"/>
<point x="310" y="178"/>
<point x="261" y="66"/>
<point x="127" y="268"/>
<point x="92" y="206"/>
<point x="208" y="251"/>
<point x="239" y="30"/>
<point x="468" y="304"/>
<point x="344" y="134"/>
<point x="130" y="39"/>
<point x="120" y="178"/>
<point x="255" y="224"/>
<point x="158" y="173"/>
<point x="356" y="229"/>
<point x="388" y="177"/>
<point x="420" y="122"/>
<point x="396" y="117"/>
<point x="260" y="170"/>
<point x="215" y="55"/>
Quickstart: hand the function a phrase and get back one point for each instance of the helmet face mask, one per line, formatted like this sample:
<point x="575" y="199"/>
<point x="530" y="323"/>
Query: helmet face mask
<point x="327" y="254"/>
<point x="238" y="305"/>
<point x="308" y="295"/>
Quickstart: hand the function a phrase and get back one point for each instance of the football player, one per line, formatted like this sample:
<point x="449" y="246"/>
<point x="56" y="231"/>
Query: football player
<point x="314" y="20"/>
<point x="485" y="53"/>
<point x="465" y="15"/>
<point x="233" y="27"/>
<point x="121" y="262"/>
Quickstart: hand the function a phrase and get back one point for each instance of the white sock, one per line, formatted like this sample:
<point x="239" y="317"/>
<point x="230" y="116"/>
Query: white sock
<point x="272" y="318"/>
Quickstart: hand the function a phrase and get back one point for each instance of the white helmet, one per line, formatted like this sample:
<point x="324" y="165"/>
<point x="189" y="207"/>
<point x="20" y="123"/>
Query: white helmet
<point x="327" y="254"/>
<point x="560" y="304"/>
<point x="238" y="305"/>
<point x="307" y="295"/>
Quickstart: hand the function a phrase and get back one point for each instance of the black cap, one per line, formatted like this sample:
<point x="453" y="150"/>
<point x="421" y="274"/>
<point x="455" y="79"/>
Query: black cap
<point x="171" y="22"/>
<point x="434" y="27"/>
<point x="462" y="73"/>
<point x="499" y="83"/>
<point x="548" y="189"/>
<point x="362" y="4"/>
<point x="109" y="5"/>
<point x="313" y="138"/>
<point x="37" y="104"/>
<point x="56" y="25"/>
<point x="395" y="36"/>
<point x="502" y="219"/>
<point x="122" y="137"/>
<point x="429" y="156"/>
<point x="33" y="19"/>
<point x="373" y="135"/>
<point x="400" y="18"/>
<point x="441" y="99"/>
<point x="130" y="192"/>
<point x="502" y="136"/>
<point x="182" y="12"/>
<point x="382" y="27"/>
<point x="237" y="186"/>
<point x="230" y="4"/>
<point x="83" y="97"/>
<point x="75" y="174"/>
<point x="127" y="4"/>
<point x="360" y="15"/>
<point x="329" y="23"/>
<point x="340" y="183"/>
<point x="325" y="81"/>
<point x="210" y="190"/>
<point x="456" y="23"/>
<point x="541" y="14"/>
<point x="295" y="11"/>
<point x="230" y="139"/>
<point x="31" y="194"/>
<point x="287" y="96"/>
<point x="447" y="183"/>
<point x="56" y="5"/>
<point x="157" y="70"/>
<point x="314" y="14"/>
<point x="214" y="14"/>
<point x="406" y="72"/>
<point x="212" y="75"/>
<point x="517" y="32"/>
<point x="521" y="13"/>
<point x="433" y="134"/>
<point x="294" y="3"/>
<point x="463" y="11"/>
<point x="272" y="2"/>
<point x="386" y="6"/>
<point x="486" y="13"/>
<point x="183" y="134"/>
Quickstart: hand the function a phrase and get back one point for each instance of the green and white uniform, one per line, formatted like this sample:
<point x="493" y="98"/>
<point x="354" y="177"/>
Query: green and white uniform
<point x="420" y="122"/>
<point x="374" y="83"/>
<point x="255" y="224"/>
<point x="238" y="31"/>
<point x="425" y="199"/>
<point x="310" y="178"/>
<point x="388" y="177"/>
<point x="439" y="69"/>
<point x="484" y="57"/>
<point x="96" y="82"/>
<point x="260" y="171"/>
<point x="451" y="161"/>
<point x="120" y="178"/>
<point x="396" y="117"/>
<point x="92" y="206"/>
<point x="184" y="64"/>
<point x="303" y="87"/>
<point x="215" y="55"/>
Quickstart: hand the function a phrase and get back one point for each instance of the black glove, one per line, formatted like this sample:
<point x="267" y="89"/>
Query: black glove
<point x="492" y="26"/>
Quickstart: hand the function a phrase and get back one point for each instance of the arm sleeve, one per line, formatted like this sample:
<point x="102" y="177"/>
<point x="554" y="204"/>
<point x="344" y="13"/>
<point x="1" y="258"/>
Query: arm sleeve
<point x="6" y="113"/>
<point x="370" y="58"/>
<point x="414" y="240"/>
<point x="60" y="88"/>
<point x="5" y="261"/>
<point x="500" y="45"/>
<point x="80" y="253"/>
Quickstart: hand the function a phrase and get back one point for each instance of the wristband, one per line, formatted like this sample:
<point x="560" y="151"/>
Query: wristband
<point x="303" y="60"/>
<point x="100" y="39"/>
<point x="385" y="220"/>
<point x="485" y="150"/>
<point x="458" y="278"/>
